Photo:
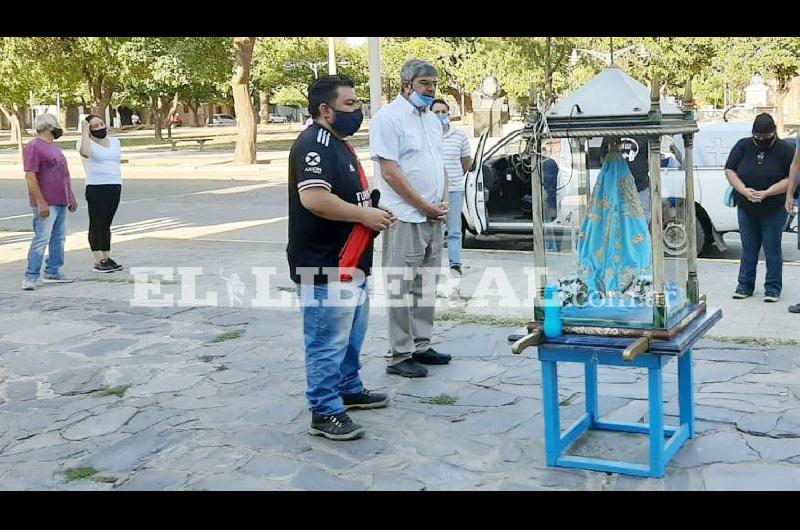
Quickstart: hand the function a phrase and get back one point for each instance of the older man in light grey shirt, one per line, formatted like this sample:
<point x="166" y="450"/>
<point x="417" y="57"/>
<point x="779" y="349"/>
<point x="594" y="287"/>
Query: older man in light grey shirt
<point x="405" y="139"/>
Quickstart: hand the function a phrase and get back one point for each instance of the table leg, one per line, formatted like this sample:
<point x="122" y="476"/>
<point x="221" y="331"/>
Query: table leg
<point x="656" y="422"/>
<point x="552" y="422"/>
<point x="590" y="370"/>
<point x="686" y="390"/>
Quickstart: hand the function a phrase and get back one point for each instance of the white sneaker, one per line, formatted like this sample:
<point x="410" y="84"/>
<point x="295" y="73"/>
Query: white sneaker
<point x="61" y="278"/>
<point x="28" y="285"/>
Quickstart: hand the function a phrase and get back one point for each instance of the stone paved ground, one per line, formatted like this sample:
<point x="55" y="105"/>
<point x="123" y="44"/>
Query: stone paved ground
<point x="197" y="414"/>
<point x="120" y="397"/>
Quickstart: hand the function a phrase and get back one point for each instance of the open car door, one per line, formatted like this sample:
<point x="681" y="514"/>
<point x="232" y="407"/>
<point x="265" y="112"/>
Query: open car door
<point x="473" y="190"/>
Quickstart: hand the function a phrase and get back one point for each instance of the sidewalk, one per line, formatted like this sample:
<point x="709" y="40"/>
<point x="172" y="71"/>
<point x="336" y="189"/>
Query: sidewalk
<point x="96" y="394"/>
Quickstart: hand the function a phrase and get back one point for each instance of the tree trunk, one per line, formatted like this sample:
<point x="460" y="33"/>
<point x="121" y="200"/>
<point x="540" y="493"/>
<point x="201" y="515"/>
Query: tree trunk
<point x="263" y="97"/>
<point x="13" y="115"/>
<point x="193" y="113"/>
<point x="101" y="98"/>
<point x="245" y="152"/>
<point x="548" y="73"/>
<point x="13" y="126"/>
<point x="173" y="107"/>
<point x="155" y="107"/>
<point x="456" y="95"/>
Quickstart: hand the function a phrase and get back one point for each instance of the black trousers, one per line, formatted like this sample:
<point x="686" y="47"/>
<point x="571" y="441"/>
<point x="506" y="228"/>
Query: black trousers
<point x="102" y="201"/>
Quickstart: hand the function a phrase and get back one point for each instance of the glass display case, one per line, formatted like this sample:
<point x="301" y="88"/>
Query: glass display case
<point x="614" y="223"/>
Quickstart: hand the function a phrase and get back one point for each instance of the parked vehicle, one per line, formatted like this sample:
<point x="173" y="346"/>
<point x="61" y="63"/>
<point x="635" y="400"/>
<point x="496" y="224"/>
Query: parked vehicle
<point x="221" y="120"/>
<point x="501" y="178"/>
<point x="274" y="118"/>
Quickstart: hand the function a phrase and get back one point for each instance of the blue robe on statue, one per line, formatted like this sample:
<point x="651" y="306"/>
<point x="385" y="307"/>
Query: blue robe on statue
<point x="614" y="249"/>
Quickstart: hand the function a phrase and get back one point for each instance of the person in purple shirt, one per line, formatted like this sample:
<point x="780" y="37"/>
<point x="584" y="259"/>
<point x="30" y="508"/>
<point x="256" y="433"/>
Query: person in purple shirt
<point x="50" y="195"/>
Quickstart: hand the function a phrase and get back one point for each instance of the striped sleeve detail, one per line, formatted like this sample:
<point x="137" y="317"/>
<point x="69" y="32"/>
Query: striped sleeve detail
<point x="313" y="183"/>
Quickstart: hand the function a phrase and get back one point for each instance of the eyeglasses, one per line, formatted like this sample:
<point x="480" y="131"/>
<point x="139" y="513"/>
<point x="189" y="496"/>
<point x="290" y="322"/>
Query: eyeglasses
<point x="760" y="138"/>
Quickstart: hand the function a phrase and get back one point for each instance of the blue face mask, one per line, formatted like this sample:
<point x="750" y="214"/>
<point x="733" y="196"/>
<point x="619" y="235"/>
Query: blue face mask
<point x="420" y="101"/>
<point x="444" y="118"/>
<point x="347" y="123"/>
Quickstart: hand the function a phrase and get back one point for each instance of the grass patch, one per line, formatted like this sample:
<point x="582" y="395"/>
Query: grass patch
<point x="486" y="320"/>
<point x="79" y="473"/>
<point x="229" y="335"/>
<point x="118" y="391"/>
<point x="441" y="399"/>
<point x="755" y="341"/>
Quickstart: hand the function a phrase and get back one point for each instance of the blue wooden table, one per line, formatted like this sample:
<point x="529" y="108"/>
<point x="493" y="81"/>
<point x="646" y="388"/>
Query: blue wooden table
<point x="592" y="351"/>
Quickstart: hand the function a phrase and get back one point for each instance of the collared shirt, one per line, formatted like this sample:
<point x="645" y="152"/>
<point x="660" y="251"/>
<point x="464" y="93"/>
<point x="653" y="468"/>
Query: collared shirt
<point x="403" y="134"/>
<point x="455" y="146"/>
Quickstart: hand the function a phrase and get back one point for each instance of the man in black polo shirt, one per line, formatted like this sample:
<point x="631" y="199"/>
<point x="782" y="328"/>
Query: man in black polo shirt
<point x="328" y="197"/>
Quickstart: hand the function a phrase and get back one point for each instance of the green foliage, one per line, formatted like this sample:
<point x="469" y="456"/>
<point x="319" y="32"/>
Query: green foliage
<point x="441" y="399"/>
<point x="137" y="71"/>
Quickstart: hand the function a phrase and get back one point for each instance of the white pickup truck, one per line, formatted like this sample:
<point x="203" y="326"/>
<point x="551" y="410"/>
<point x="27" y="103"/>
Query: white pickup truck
<point x="500" y="178"/>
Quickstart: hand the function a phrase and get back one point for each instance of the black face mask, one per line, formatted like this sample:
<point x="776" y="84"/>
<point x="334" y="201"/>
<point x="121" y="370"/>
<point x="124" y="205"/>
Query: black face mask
<point x="99" y="133"/>
<point x="56" y="132"/>
<point x="347" y="123"/>
<point x="763" y="145"/>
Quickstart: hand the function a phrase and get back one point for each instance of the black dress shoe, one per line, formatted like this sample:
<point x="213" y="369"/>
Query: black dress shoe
<point x="407" y="368"/>
<point x="794" y="308"/>
<point x="431" y="356"/>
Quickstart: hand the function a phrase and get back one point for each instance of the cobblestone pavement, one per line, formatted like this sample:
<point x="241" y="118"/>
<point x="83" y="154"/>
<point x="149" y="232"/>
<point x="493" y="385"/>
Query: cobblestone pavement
<point x="96" y="394"/>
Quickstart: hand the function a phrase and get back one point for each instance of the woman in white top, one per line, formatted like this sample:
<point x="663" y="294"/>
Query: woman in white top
<point x="101" y="162"/>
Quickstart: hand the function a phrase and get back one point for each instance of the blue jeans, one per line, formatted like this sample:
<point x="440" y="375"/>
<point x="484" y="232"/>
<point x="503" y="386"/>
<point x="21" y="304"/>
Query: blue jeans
<point x="47" y="232"/>
<point x="456" y="199"/>
<point x="333" y="337"/>
<point x="759" y="231"/>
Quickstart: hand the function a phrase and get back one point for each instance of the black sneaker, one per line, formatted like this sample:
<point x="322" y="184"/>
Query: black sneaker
<point x="104" y="266"/>
<point x="407" y="368"/>
<point x="794" y="308"/>
<point x="455" y="270"/>
<point x="335" y="427"/>
<point x="365" y="400"/>
<point x="114" y="264"/>
<point x="739" y="294"/>
<point x="772" y="297"/>
<point x="431" y="356"/>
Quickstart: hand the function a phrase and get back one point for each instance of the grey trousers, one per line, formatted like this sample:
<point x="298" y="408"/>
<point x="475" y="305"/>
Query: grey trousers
<point x="416" y="250"/>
